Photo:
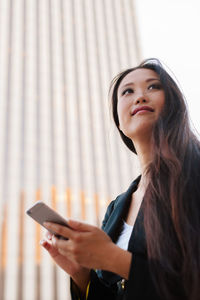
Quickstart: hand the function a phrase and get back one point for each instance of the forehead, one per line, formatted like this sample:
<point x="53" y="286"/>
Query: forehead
<point x="138" y="76"/>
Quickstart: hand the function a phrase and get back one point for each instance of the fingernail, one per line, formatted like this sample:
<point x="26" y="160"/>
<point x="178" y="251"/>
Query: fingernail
<point x="73" y="222"/>
<point x="42" y="242"/>
<point x="46" y="224"/>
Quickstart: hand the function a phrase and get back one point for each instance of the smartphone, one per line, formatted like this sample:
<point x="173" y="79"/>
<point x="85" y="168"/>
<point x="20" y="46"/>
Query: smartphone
<point x="41" y="213"/>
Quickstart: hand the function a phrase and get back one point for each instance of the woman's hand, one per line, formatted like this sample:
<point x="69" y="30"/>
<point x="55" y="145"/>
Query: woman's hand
<point x="89" y="247"/>
<point x="79" y="274"/>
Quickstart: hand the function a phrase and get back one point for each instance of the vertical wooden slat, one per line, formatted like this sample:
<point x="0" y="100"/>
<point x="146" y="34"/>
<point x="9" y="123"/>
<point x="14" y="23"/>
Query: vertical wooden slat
<point x="68" y="202"/>
<point x="93" y="163"/>
<point x="38" y="233"/>
<point x="21" y="248"/>
<point x="77" y="93"/>
<point x="99" y="75"/>
<point x="52" y="132"/>
<point x="3" y="251"/>
<point x="38" y="156"/>
<point x="55" y="283"/>
<point x="6" y="149"/>
<point x="134" y="27"/>
<point x="64" y="89"/>
<point x="116" y="41"/>
<point x="38" y="253"/>
<point x="6" y="160"/>
<point x="38" y="99"/>
<point x="53" y="197"/>
<point x="96" y="201"/>
<point x="82" y="197"/>
<point x="110" y="61"/>
<point x="51" y="87"/>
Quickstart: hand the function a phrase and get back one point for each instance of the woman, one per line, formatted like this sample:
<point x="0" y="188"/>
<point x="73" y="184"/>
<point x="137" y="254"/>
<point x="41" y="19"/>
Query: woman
<point x="149" y="245"/>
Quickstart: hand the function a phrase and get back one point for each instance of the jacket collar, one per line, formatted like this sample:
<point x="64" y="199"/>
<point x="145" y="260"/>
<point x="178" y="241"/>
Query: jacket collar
<point x="113" y="226"/>
<point x="120" y="208"/>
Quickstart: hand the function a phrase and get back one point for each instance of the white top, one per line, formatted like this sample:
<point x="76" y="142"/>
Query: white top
<point x="125" y="235"/>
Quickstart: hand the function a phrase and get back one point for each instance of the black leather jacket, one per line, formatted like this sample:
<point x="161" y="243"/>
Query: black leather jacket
<point x="105" y="285"/>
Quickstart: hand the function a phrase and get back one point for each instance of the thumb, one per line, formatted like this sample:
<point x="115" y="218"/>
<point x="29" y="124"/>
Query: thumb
<point x="80" y="226"/>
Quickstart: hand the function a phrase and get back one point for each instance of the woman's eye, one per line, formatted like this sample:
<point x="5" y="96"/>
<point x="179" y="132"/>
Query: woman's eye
<point x="127" y="91"/>
<point x="156" y="86"/>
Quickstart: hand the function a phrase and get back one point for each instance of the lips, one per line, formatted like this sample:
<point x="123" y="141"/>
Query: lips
<point x="148" y="108"/>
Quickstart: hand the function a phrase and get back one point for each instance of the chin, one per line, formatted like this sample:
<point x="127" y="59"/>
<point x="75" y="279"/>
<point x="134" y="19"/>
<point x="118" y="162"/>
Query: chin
<point x="138" y="131"/>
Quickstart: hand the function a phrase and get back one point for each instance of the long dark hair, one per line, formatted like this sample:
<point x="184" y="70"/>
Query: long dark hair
<point x="172" y="200"/>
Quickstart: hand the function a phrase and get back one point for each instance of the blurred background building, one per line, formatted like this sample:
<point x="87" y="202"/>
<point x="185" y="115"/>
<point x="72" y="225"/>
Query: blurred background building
<point x="57" y="141"/>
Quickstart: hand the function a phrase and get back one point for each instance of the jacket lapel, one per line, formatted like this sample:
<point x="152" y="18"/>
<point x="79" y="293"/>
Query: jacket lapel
<point x="114" y="225"/>
<point x="120" y="209"/>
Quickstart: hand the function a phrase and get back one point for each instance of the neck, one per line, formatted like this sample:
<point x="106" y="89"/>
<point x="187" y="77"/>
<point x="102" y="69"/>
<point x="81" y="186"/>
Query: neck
<point x="144" y="153"/>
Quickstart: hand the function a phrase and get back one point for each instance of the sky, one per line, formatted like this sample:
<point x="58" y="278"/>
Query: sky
<point x="170" y="31"/>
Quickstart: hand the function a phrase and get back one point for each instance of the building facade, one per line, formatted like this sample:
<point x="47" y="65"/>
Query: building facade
<point x="58" y="143"/>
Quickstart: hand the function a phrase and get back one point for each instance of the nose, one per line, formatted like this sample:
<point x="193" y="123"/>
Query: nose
<point x="140" y="99"/>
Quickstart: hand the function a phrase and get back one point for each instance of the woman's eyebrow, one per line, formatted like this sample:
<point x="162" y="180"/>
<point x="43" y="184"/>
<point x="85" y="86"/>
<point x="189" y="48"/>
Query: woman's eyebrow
<point x="132" y="83"/>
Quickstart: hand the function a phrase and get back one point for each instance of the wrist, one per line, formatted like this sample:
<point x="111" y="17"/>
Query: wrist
<point x="119" y="261"/>
<point x="81" y="279"/>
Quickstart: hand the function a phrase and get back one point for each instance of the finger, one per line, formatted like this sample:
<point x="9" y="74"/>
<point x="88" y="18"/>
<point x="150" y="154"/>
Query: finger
<point x="48" y="235"/>
<point x="49" y="247"/>
<point x="54" y="241"/>
<point x="81" y="226"/>
<point x="45" y="244"/>
<point x="64" y="253"/>
<point x="59" y="243"/>
<point x="59" y="229"/>
<point x="62" y="249"/>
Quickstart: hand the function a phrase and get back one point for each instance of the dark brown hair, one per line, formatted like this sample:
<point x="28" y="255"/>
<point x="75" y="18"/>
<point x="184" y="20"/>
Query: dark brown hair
<point x="172" y="200"/>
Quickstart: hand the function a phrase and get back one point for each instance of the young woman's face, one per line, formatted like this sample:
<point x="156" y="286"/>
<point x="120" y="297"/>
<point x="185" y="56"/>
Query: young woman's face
<point x="140" y="101"/>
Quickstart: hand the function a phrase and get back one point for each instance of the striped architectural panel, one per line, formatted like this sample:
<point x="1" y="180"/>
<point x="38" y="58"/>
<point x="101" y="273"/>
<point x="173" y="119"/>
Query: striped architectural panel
<point x="57" y="142"/>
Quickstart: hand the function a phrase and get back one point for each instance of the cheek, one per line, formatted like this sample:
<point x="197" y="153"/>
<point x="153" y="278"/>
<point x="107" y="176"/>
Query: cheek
<point x="161" y="103"/>
<point x="120" y="113"/>
<point x="122" y="109"/>
<point x="119" y="110"/>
